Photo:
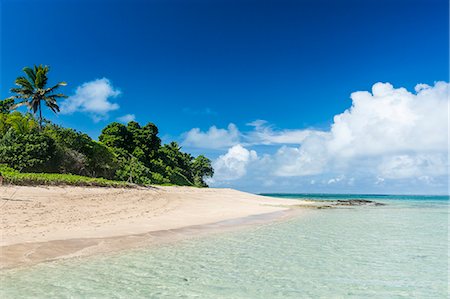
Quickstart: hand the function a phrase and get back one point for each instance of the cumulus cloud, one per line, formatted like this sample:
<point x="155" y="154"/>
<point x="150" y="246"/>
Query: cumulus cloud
<point x="233" y="164"/>
<point x="214" y="138"/>
<point x="93" y="98"/>
<point x="126" y="118"/>
<point x="392" y="127"/>
<point x="392" y="120"/>
<point x="387" y="134"/>
<point x="309" y="159"/>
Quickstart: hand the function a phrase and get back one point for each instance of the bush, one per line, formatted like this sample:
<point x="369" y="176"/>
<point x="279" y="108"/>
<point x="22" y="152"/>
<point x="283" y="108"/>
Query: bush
<point x="79" y="154"/>
<point x="12" y="176"/>
<point x="132" y="170"/>
<point x="28" y="152"/>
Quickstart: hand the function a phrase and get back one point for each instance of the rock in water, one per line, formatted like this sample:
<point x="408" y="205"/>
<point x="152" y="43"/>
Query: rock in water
<point x="357" y="202"/>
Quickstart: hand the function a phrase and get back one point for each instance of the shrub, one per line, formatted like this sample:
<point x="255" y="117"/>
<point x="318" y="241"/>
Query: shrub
<point x="12" y="176"/>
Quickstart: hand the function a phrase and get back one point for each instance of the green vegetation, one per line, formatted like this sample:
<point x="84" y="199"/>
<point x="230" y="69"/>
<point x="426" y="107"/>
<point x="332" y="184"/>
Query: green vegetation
<point x="11" y="176"/>
<point x="32" y="90"/>
<point x="36" y="151"/>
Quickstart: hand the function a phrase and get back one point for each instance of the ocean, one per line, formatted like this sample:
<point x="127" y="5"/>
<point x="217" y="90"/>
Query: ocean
<point x="398" y="250"/>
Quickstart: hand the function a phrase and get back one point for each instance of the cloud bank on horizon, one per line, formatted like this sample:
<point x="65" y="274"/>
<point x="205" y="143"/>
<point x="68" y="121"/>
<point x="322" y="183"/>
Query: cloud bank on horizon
<point x="389" y="140"/>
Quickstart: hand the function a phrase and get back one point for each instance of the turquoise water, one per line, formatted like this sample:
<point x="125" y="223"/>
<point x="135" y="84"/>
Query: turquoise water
<point x="395" y="251"/>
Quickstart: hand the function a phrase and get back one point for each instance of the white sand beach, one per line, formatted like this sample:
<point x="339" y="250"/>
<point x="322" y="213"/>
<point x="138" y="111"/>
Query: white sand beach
<point x="45" y="223"/>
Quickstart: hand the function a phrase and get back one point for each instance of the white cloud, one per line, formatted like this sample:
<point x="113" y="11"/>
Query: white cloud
<point x="392" y="120"/>
<point x="265" y="134"/>
<point x="262" y="134"/>
<point x="393" y="128"/>
<point x="126" y="118"/>
<point x="257" y="123"/>
<point x="419" y="165"/>
<point x="387" y="134"/>
<point x="93" y="98"/>
<point x="308" y="159"/>
<point x="214" y="138"/>
<point x="233" y="164"/>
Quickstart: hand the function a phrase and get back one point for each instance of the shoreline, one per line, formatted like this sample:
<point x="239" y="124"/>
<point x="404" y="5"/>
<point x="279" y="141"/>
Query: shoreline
<point x="28" y="254"/>
<point x="41" y="224"/>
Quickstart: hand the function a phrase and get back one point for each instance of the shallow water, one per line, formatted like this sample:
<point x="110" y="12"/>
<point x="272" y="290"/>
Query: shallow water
<point x="395" y="251"/>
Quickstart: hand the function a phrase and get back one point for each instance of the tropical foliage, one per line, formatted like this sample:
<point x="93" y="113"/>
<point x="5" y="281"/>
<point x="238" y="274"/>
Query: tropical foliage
<point x="129" y="153"/>
<point x="12" y="176"/>
<point x="32" y="90"/>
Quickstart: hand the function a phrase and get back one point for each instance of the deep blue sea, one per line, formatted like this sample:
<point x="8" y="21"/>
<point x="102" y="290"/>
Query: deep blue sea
<point x="399" y="250"/>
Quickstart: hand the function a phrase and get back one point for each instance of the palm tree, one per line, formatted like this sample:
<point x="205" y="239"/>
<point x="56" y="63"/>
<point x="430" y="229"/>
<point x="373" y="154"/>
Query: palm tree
<point x="32" y="91"/>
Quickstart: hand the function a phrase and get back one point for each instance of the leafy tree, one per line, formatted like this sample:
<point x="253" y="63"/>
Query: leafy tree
<point x="32" y="90"/>
<point x="116" y="135"/>
<point x="70" y="161"/>
<point x="178" y="165"/>
<point x="79" y="154"/>
<point x="149" y="140"/>
<point x="101" y="161"/>
<point x="133" y="171"/>
<point x="28" y="152"/>
<point x="21" y="145"/>
<point x="174" y="157"/>
<point x="136" y="147"/>
<point x="144" y="139"/>
<point x="202" y="169"/>
<point x="22" y="124"/>
<point x="6" y="105"/>
<point x="3" y="125"/>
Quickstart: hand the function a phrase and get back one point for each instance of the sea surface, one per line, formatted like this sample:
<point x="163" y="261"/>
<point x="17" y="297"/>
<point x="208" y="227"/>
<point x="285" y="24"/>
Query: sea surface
<point x="399" y="250"/>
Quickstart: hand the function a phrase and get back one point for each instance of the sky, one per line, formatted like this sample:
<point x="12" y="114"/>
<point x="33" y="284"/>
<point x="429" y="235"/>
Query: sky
<point x="340" y="96"/>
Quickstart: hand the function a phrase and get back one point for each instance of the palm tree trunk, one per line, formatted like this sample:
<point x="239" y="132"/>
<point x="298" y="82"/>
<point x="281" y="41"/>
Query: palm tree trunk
<point x="40" y="117"/>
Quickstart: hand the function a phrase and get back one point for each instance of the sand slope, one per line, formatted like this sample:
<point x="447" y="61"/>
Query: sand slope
<point x="35" y="215"/>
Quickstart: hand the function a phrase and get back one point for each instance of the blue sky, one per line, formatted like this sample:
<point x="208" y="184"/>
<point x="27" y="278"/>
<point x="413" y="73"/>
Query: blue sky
<point x="197" y="64"/>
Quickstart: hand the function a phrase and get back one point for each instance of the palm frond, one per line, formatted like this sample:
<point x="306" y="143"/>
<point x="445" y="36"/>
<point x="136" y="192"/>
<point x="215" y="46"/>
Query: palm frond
<point x="25" y="83"/>
<point x="51" y="89"/>
<point x="41" y="76"/>
<point x="22" y="93"/>
<point x="51" y="103"/>
<point x="30" y="73"/>
<point x="24" y="103"/>
<point x="59" y="96"/>
<point x="50" y="99"/>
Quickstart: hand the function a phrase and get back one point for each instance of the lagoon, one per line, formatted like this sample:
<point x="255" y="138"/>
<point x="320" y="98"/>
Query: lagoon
<point x="399" y="250"/>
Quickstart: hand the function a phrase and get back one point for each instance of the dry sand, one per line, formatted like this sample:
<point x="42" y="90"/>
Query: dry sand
<point x="45" y="223"/>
